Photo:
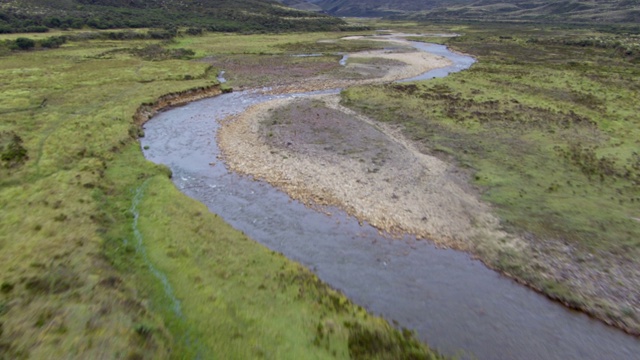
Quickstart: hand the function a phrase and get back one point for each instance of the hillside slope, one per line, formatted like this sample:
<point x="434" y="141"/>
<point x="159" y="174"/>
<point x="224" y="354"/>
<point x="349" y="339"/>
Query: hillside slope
<point x="383" y="8"/>
<point x="217" y="15"/>
<point x="627" y="11"/>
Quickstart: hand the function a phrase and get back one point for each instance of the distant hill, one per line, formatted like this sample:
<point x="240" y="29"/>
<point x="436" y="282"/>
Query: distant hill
<point x="301" y="5"/>
<point x="367" y="8"/>
<point x="608" y="11"/>
<point x="220" y="15"/>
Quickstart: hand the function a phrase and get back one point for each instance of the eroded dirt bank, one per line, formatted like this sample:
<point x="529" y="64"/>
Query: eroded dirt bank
<point x="148" y="110"/>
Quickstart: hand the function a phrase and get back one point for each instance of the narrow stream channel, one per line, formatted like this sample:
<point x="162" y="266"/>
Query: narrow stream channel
<point x="453" y="302"/>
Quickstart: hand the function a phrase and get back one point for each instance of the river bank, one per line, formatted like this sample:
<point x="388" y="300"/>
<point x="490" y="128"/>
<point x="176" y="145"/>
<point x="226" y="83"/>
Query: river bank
<point x="420" y="194"/>
<point x="454" y="303"/>
<point x="368" y="169"/>
<point x="373" y="172"/>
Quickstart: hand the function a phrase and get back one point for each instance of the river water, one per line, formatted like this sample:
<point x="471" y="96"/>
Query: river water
<point x="453" y="302"/>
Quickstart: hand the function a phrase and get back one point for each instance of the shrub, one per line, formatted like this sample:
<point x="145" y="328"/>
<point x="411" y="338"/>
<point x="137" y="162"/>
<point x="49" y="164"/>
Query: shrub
<point x="53" y="42"/>
<point x="194" y="31"/>
<point x="157" y="52"/>
<point x="12" y="153"/>
<point x="36" y="28"/>
<point x="25" y="43"/>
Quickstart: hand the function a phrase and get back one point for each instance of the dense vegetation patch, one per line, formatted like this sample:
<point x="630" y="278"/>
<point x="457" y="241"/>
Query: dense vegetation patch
<point x="12" y="153"/>
<point x="227" y="15"/>
<point x="558" y="11"/>
<point x="372" y="344"/>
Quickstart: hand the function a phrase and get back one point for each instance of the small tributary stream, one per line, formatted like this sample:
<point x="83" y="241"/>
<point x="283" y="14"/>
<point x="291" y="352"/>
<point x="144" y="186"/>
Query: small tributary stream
<point x="453" y="302"/>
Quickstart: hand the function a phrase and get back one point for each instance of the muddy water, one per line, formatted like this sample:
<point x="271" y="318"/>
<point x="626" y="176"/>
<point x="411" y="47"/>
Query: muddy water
<point x="453" y="302"/>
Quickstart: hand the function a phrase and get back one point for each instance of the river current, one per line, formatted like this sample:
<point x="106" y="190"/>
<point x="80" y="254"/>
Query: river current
<point x="453" y="302"/>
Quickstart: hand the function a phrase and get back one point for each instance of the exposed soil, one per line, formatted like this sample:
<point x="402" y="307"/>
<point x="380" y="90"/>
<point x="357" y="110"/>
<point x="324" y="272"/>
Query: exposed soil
<point x="148" y="110"/>
<point x="242" y="71"/>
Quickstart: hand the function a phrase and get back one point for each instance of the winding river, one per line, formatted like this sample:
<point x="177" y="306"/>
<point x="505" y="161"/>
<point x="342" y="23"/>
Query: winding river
<point x="453" y="302"/>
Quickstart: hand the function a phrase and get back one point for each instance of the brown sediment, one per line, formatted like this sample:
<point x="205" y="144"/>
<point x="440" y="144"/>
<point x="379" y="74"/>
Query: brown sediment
<point x="413" y="63"/>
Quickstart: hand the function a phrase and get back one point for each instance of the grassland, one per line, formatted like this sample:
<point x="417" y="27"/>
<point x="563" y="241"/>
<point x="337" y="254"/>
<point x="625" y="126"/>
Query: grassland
<point x="100" y="255"/>
<point x="547" y="125"/>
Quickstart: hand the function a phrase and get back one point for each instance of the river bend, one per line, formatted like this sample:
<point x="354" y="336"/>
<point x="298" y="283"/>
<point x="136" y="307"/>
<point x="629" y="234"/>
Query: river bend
<point x="452" y="301"/>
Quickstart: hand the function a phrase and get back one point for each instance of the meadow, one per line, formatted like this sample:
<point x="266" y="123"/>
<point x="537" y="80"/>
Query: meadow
<point x="546" y="126"/>
<point x="101" y="256"/>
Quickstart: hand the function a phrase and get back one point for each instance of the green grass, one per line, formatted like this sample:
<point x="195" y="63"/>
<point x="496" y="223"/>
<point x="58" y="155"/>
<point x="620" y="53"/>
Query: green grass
<point x="545" y="139"/>
<point x="75" y="281"/>
<point x="72" y="109"/>
<point x="272" y="44"/>
<point x="237" y="299"/>
<point x="548" y="128"/>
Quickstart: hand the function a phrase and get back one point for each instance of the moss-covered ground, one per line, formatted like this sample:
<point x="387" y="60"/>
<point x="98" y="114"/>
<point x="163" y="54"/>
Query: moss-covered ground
<point x="101" y="256"/>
